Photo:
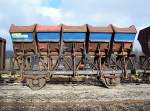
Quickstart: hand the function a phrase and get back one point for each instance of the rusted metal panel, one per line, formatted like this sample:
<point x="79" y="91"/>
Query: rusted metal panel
<point x="120" y="47"/>
<point x="94" y="45"/>
<point x="130" y="29"/>
<point x="44" y="46"/>
<point x="2" y="53"/>
<point x="117" y="47"/>
<point x="127" y="45"/>
<point x="66" y="28"/>
<point x="48" y="28"/>
<point x="15" y="29"/>
<point x="78" y="46"/>
<point x="19" y="48"/>
<point x="107" y="29"/>
<point x="144" y="39"/>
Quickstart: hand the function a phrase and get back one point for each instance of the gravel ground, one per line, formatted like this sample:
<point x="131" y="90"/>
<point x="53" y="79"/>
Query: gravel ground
<point x="72" y="97"/>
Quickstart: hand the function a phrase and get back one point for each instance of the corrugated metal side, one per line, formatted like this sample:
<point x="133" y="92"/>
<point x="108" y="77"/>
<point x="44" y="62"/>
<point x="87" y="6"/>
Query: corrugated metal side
<point x="2" y="53"/>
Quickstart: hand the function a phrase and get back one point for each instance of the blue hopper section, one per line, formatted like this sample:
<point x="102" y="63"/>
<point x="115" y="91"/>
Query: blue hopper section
<point x="124" y="37"/>
<point x="48" y="36"/>
<point x="100" y="37"/>
<point x="74" y="36"/>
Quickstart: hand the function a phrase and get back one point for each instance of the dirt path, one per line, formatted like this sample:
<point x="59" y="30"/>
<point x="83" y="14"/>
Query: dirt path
<point x="71" y="97"/>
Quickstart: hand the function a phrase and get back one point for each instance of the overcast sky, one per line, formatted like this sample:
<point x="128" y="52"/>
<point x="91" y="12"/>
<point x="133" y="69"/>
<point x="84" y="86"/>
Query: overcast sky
<point x="122" y="13"/>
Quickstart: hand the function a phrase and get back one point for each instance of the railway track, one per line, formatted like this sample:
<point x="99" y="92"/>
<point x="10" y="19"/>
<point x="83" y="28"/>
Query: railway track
<point x="85" y="76"/>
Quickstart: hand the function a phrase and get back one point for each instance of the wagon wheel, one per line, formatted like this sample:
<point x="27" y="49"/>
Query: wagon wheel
<point x="110" y="82"/>
<point x="36" y="84"/>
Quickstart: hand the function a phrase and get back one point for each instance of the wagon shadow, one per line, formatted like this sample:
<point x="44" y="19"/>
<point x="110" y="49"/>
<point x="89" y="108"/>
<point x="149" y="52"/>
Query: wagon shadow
<point x="75" y="82"/>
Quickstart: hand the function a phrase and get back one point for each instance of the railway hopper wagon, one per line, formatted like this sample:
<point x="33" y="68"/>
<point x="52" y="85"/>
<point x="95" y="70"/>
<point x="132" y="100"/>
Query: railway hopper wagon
<point x="26" y="55"/>
<point x="144" y="40"/>
<point x="2" y="53"/>
<point x="99" y="47"/>
<point x="41" y="51"/>
<point x="111" y="49"/>
<point x="122" y="46"/>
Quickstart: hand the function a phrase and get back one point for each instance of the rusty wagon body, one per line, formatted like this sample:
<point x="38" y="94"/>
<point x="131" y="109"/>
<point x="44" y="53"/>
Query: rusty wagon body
<point x="144" y="40"/>
<point x="41" y="51"/>
<point x="2" y="53"/>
